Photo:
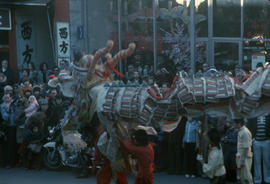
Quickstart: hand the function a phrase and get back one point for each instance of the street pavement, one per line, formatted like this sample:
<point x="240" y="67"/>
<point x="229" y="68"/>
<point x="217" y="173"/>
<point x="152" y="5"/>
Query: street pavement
<point x="67" y="176"/>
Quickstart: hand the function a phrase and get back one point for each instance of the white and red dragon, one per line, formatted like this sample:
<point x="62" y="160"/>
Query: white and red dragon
<point x="120" y="107"/>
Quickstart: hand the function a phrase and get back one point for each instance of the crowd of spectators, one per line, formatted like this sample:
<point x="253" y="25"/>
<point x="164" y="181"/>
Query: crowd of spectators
<point x="29" y="108"/>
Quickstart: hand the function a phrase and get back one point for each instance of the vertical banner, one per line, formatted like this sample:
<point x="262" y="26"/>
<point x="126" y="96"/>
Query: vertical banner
<point x="25" y="36"/>
<point x="63" y="43"/>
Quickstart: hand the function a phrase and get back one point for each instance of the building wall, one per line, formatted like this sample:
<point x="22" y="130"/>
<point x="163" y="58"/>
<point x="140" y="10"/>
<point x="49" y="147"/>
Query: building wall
<point x="61" y="10"/>
<point x="77" y="21"/>
<point x="100" y="23"/>
<point x="96" y="20"/>
<point x="39" y="40"/>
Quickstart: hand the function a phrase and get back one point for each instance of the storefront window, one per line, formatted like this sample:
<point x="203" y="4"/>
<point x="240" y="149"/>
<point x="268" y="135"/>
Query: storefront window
<point x="254" y="52"/>
<point x="170" y="14"/>
<point x="172" y="35"/>
<point x="201" y="18"/>
<point x="226" y="56"/>
<point x="136" y="26"/>
<point x="256" y="19"/>
<point x="201" y="55"/>
<point x="227" y="18"/>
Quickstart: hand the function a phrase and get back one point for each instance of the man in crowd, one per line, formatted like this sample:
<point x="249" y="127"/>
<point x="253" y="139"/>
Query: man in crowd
<point x="230" y="149"/>
<point x="244" y="154"/>
<point x="260" y="129"/>
<point x="190" y="144"/>
<point x="205" y="67"/>
<point x="7" y="72"/>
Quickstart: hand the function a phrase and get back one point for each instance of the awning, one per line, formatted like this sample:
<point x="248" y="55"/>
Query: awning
<point x="25" y="2"/>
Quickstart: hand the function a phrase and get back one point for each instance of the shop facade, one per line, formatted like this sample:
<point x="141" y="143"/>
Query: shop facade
<point x="34" y="31"/>
<point x="227" y="32"/>
<point x="28" y="38"/>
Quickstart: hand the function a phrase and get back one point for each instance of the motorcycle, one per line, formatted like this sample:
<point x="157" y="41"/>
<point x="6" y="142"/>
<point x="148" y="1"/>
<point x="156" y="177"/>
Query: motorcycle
<point x="57" y="154"/>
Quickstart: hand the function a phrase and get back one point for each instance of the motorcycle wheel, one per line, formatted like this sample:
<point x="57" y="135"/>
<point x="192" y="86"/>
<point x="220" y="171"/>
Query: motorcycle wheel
<point x="51" y="159"/>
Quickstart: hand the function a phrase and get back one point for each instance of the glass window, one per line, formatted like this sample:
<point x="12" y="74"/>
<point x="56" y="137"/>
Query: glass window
<point x="169" y="15"/>
<point x="227" y="18"/>
<point x="201" y="55"/>
<point x="251" y="49"/>
<point x="201" y="18"/>
<point x="226" y="56"/>
<point x="172" y="35"/>
<point x="256" y="19"/>
<point x="136" y="26"/>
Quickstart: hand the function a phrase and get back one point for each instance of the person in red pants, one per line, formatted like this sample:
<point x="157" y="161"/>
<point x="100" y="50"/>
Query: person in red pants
<point x="104" y="174"/>
<point x="139" y="146"/>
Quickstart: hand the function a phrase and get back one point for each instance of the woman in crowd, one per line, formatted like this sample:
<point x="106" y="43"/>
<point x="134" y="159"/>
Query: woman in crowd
<point x="44" y="73"/>
<point x="24" y="75"/>
<point x="32" y="107"/>
<point x="33" y="73"/>
<point x="214" y="168"/>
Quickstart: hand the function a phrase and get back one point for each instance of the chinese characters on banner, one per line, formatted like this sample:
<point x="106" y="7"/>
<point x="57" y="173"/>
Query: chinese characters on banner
<point x="27" y="47"/>
<point x="63" y="42"/>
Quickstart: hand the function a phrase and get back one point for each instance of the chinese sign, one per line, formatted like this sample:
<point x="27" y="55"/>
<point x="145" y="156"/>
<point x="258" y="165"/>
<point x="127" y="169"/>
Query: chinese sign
<point x="25" y="41"/>
<point x="63" y="42"/>
<point x="26" y="33"/>
<point x="257" y="58"/>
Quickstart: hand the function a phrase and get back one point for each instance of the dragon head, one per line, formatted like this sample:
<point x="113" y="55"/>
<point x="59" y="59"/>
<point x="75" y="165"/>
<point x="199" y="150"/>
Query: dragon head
<point x="89" y="71"/>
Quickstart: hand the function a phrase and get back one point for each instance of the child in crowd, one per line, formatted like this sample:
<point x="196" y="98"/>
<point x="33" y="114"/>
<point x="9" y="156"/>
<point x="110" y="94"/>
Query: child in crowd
<point x="32" y="106"/>
<point x="26" y="85"/>
<point x="214" y="168"/>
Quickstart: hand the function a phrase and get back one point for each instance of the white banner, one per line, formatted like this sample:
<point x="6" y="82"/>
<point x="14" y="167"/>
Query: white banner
<point x="63" y="40"/>
<point x="25" y="36"/>
<point x="257" y="58"/>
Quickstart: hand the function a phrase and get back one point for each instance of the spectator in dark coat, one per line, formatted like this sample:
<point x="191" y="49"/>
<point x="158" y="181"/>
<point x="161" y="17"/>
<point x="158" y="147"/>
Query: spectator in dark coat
<point x="44" y="73"/>
<point x="175" y="150"/>
<point x="56" y="111"/>
<point x="8" y="114"/>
